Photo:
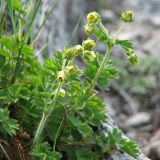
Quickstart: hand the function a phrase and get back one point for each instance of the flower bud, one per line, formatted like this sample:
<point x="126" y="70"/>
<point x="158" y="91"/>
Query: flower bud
<point x="89" y="29"/>
<point x="93" y="17"/>
<point x="132" y="57"/>
<point x="61" y="76"/>
<point x="62" y="92"/>
<point x="78" y="49"/>
<point x="70" y="69"/>
<point x="127" y="16"/>
<point x="69" y="52"/>
<point x="88" y="44"/>
<point x="90" y="55"/>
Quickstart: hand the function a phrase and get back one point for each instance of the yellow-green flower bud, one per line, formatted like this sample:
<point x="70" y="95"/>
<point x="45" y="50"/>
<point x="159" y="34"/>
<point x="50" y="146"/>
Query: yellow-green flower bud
<point x="62" y="92"/>
<point x="69" y="52"/>
<point x="127" y="16"/>
<point x="93" y="17"/>
<point x="132" y="57"/>
<point x="70" y="69"/>
<point x="61" y="76"/>
<point x="78" y="49"/>
<point x="88" y="44"/>
<point x="89" y="29"/>
<point x="90" y="55"/>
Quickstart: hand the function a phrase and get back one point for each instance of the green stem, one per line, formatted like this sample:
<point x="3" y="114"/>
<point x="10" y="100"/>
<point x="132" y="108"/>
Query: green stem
<point x="12" y="16"/>
<point x="29" y="8"/>
<point x="99" y="70"/>
<point x="26" y="35"/>
<point x="46" y="115"/>
<point x="56" y="137"/>
<point x="119" y="30"/>
<point x="104" y="29"/>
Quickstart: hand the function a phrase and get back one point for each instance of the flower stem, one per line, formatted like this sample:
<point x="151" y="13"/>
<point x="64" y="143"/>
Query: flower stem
<point x="46" y="115"/>
<point x="99" y="70"/>
<point x="56" y="137"/>
<point x="119" y="30"/>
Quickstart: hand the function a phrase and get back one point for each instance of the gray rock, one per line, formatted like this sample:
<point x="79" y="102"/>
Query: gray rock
<point x="138" y="119"/>
<point x="153" y="148"/>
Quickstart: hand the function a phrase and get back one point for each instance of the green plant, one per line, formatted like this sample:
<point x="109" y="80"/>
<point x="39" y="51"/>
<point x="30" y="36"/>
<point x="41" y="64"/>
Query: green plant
<point x="52" y="111"/>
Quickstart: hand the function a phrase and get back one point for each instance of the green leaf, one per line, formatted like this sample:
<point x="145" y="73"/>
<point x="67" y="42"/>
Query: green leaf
<point x="7" y="42"/>
<point x="4" y="53"/>
<point x="27" y="50"/>
<point x="2" y="60"/>
<point x="16" y="4"/>
<point x="86" y="154"/>
<point x="129" y="51"/>
<point x="125" y="44"/>
<point x="131" y="148"/>
<point x="7" y="124"/>
<point x="41" y="150"/>
<point x="117" y="140"/>
<point x="82" y="127"/>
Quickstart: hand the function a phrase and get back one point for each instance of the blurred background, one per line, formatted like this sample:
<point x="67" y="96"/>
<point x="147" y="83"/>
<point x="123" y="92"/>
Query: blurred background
<point x="133" y="100"/>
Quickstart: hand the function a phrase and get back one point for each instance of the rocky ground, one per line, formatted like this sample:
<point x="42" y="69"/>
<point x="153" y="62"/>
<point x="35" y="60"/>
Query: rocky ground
<point x="138" y="115"/>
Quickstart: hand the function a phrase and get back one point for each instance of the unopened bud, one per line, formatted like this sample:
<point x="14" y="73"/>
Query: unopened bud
<point x="90" y="55"/>
<point x="132" y="57"/>
<point x="62" y="92"/>
<point x="61" y="76"/>
<point x="69" y="52"/>
<point x="70" y="69"/>
<point x="88" y="44"/>
<point x="89" y="29"/>
<point x="93" y="17"/>
<point x="78" y="49"/>
<point x="127" y="16"/>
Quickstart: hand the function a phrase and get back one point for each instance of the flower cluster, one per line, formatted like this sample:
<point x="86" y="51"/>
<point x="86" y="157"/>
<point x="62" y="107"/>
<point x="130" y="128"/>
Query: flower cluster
<point x="86" y="49"/>
<point x="93" y="19"/>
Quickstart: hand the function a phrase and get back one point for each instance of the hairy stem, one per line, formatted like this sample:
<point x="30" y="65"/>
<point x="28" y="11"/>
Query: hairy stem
<point x="100" y="69"/>
<point x="56" y="137"/>
<point x="119" y="30"/>
<point x="46" y="115"/>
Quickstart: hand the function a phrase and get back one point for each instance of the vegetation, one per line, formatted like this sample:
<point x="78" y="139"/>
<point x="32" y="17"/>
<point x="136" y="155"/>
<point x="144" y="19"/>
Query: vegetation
<point x="51" y="111"/>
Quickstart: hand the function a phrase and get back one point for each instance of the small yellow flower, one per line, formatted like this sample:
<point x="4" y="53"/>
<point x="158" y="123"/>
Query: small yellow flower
<point x="89" y="29"/>
<point x="69" y="52"/>
<point x="89" y="44"/>
<point x="78" y="49"/>
<point x="127" y="16"/>
<point x="90" y="55"/>
<point x="93" y="17"/>
<point x="62" y="92"/>
<point x="61" y="75"/>
<point x="70" y="69"/>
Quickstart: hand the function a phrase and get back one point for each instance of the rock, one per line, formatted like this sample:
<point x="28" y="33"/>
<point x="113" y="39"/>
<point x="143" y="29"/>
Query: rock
<point x="108" y="15"/>
<point x="108" y="126"/>
<point x="138" y="119"/>
<point x="153" y="147"/>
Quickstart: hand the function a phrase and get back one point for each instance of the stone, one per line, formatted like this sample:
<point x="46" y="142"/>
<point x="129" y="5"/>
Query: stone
<point x="138" y="119"/>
